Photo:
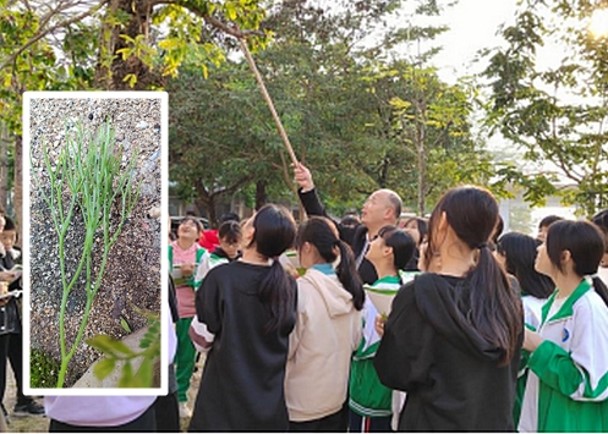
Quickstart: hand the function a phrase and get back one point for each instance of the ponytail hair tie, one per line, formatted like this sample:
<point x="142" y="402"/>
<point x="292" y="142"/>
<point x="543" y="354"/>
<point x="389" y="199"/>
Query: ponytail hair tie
<point x="482" y="245"/>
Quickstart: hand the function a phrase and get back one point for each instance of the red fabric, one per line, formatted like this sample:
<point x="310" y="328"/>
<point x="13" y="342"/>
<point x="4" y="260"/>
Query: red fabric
<point x="209" y="239"/>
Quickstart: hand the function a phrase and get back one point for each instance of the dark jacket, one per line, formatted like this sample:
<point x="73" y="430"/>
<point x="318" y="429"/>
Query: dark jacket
<point x="452" y="375"/>
<point x="313" y="206"/>
<point x="10" y="319"/>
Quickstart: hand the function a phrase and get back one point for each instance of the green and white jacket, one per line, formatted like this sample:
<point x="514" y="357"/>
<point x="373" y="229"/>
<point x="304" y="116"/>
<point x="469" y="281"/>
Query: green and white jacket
<point x="208" y="262"/>
<point x="367" y="395"/>
<point x="567" y="388"/>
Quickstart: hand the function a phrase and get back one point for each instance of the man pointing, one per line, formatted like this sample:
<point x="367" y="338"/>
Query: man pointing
<point x="382" y="207"/>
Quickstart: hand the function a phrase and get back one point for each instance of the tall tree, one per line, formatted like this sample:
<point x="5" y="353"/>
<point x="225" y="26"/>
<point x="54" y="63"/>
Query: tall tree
<point x="555" y="113"/>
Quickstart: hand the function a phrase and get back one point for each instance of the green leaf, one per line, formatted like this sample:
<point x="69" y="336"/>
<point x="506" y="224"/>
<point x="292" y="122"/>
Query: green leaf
<point x="110" y="346"/>
<point x="104" y="367"/>
<point x="125" y="325"/>
<point x="145" y="373"/>
<point x="126" y="379"/>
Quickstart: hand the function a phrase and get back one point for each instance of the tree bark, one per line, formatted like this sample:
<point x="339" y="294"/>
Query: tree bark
<point x="18" y="197"/>
<point x="261" y="195"/>
<point x="111" y="68"/>
<point x="4" y="143"/>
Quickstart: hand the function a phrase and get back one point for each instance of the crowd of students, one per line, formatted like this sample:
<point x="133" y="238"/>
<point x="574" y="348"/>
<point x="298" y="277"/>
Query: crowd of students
<point x="487" y="331"/>
<point x="497" y="332"/>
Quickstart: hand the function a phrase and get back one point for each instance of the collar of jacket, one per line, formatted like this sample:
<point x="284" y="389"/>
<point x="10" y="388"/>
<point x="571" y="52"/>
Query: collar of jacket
<point x="566" y="310"/>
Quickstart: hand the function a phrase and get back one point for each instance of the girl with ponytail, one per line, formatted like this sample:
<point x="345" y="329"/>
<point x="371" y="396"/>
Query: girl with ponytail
<point x="327" y="330"/>
<point x="567" y="388"/>
<point x="453" y="337"/>
<point x="245" y="312"/>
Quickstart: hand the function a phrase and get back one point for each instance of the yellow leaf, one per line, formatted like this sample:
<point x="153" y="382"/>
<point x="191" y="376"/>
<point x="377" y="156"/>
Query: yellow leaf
<point x="131" y="79"/>
<point x="231" y="11"/>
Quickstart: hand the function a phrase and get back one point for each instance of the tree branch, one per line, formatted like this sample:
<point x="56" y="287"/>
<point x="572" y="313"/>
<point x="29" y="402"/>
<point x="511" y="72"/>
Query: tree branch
<point x="42" y="34"/>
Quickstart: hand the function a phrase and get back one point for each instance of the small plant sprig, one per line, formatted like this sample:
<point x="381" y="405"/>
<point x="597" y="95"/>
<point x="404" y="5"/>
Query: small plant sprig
<point x="116" y="352"/>
<point x="87" y="177"/>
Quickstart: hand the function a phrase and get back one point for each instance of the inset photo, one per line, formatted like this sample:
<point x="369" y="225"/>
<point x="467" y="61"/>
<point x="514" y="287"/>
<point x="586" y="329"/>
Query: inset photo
<point x="95" y="302"/>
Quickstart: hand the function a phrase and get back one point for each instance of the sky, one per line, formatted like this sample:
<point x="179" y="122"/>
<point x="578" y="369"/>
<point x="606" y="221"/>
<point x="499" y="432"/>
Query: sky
<point x="474" y="25"/>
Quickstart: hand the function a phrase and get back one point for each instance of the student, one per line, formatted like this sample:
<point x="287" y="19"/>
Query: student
<point x="185" y="255"/>
<point x="418" y="228"/>
<point x="245" y="312"/>
<point x="567" y="388"/>
<point x="228" y="250"/>
<point x="370" y="401"/>
<point x="453" y="336"/>
<point x="11" y="331"/>
<point x="544" y="225"/>
<point x="517" y="253"/>
<point x="328" y="330"/>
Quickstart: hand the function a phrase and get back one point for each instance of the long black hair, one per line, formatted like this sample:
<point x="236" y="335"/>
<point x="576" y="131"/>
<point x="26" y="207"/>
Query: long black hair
<point x="275" y="230"/>
<point x="520" y="253"/>
<point x="321" y="233"/>
<point x="495" y="307"/>
<point x="586" y="245"/>
<point x="401" y="242"/>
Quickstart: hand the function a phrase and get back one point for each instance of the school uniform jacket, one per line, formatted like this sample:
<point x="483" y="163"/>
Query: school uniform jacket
<point x="368" y="396"/>
<point x="567" y="388"/>
<point x="313" y="206"/>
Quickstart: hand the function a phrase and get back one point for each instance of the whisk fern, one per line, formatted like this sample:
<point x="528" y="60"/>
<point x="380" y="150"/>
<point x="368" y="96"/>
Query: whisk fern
<point x="87" y="178"/>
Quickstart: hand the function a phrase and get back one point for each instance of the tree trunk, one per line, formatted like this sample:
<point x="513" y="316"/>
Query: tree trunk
<point x="261" y="196"/>
<point x="18" y="197"/>
<point x="4" y="143"/>
<point x="421" y="151"/>
<point x="111" y="68"/>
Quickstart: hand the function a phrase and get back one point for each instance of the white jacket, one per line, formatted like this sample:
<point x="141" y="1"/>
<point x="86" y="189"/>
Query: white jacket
<point x="327" y="331"/>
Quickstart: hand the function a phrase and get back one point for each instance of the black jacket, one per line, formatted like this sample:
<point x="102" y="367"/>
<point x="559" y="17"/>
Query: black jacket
<point x="10" y="319"/>
<point x="450" y="372"/>
<point x="313" y="206"/>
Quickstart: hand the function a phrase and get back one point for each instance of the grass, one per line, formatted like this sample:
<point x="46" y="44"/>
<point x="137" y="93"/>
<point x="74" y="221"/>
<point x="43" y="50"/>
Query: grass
<point x="87" y="179"/>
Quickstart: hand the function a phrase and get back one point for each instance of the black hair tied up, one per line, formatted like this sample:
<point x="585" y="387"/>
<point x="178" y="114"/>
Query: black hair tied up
<point x="321" y="233"/>
<point x="275" y="231"/>
<point x="495" y="307"/>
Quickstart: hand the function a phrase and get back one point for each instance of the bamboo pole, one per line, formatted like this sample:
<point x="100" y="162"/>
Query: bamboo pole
<point x="266" y="95"/>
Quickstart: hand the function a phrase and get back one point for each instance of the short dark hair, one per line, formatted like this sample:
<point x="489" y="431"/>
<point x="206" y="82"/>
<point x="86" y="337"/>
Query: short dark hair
<point x="586" y="244"/>
<point x="582" y="239"/>
<point x="350" y="220"/>
<point x="401" y="242"/>
<point x="229" y="216"/>
<point x="9" y="224"/>
<point x="548" y="220"/>
<point x="193" y="219"/>
<point x="230" y="231"/>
